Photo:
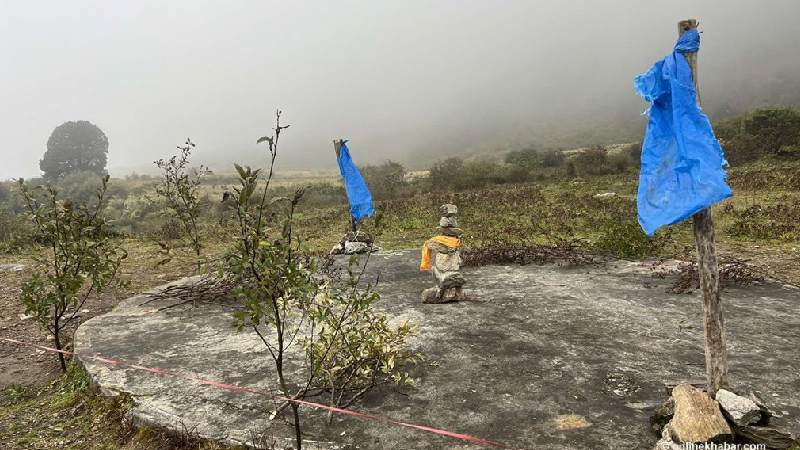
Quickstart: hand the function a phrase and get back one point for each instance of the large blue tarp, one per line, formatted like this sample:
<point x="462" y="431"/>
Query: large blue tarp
<point x="682" y="161"/>
<point x="357" y="191"/>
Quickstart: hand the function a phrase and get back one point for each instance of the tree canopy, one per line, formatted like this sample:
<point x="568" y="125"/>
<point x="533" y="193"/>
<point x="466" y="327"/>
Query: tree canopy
<point x="75" y="146"/>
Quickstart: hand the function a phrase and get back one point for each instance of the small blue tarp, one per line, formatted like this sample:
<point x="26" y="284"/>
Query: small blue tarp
<point x="682" y="161"/>
<point x="357" y="191"/>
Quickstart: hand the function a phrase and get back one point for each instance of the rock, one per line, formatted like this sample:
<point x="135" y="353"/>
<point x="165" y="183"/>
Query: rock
<point x="448" y="222"/>
<point x="452" y="232"/>
<point x="766" y="414"/>
<point x="662" y="416"/>
<point x="448" y="210"/>
<point x="666" y="442"/>
<point x="337" y="249"/>
<point x="431" y="295"/>
<point x="697" y="417"/>
<point x="770" y="437"/>
<point x="352" y="248"/>
<point x="12" y="267"/>
<point x="448" y="280"/>
<point x="605" y="195"/>
<point x="740" y="410"/>
<point x="447" y="262"/>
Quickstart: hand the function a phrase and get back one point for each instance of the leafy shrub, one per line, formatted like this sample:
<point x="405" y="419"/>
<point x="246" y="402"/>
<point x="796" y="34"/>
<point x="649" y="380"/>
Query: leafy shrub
<point x="80" y="258"/>
<point x="627" y="240"/>
<point x="286" y="293"/>
<point x="178" y="186"/>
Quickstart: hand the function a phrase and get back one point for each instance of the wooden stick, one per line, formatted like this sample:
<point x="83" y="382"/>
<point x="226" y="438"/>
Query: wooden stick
<point x="337" y="147"/>
<point x="713" y="321"/>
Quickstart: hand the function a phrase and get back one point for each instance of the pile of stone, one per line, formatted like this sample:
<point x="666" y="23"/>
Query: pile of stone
<point x="691" y="416"/>
<point x="446" y="261"/>
<point x="355" y="242"/>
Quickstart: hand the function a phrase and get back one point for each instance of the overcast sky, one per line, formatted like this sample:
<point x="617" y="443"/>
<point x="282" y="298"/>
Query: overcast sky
<point x="397" y="78"/>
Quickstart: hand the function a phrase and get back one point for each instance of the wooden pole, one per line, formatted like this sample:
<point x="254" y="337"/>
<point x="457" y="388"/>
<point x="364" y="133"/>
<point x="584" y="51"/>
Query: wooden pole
<point x="713" y="321"/>
<point x="337" y="147"/>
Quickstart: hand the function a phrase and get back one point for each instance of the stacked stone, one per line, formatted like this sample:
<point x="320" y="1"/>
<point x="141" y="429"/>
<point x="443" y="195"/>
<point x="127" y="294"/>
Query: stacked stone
<point x="355" y="242"/>
<point x="446" y="261"/>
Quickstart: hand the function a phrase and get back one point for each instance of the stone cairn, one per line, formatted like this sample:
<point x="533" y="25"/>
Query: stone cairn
<point x="446" y="262"/>
<point x="355" y="242"/>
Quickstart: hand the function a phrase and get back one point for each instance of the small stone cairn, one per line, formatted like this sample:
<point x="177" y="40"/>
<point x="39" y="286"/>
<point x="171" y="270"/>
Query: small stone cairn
<point x="355" y="242"/>
<point x="445" y="261"/>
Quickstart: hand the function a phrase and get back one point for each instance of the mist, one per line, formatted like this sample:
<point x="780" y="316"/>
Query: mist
<point x="410" y="81"/>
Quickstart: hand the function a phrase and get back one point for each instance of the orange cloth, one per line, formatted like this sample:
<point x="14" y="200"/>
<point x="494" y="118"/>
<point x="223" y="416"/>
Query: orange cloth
<point x="452" y="242"/>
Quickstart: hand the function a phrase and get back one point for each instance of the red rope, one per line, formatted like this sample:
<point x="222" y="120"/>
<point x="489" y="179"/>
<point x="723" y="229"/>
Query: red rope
<point x="237" y="388"/>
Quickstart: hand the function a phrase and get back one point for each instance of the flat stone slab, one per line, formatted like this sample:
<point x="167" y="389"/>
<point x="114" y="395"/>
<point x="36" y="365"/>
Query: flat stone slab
<point x="540" y="357"/>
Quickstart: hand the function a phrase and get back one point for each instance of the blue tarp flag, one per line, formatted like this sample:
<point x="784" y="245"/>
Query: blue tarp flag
<point x="682" y="161"/>
<point x="357" y="191"/>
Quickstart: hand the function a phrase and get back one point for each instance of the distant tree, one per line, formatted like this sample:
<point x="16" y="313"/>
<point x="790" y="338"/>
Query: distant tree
<point x="592" y="161"/>
<point x="386" y="180"/>
<point x="528" y="157"/>
<point x="75" y="146"/>
<point x="443" y="174"/>
<point x="774" y="128"/>
<point x="553" y="158"/>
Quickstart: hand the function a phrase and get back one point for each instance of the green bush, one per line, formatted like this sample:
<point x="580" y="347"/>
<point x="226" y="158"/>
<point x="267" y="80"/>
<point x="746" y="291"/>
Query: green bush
<point x="553" y="158"/>
<point x="627" y="240"/>
<point x="593" y="161"/>
<point x="528" y="157"/>
<point x="386" y="181"/>
<point x="771" y="131"/>
<point x="774" y="128"/>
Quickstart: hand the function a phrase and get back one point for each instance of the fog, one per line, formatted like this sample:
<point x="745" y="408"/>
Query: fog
<point x="413" y="81"/>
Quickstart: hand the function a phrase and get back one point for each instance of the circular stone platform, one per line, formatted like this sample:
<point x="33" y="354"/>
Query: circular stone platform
<point x="542" y="357"/>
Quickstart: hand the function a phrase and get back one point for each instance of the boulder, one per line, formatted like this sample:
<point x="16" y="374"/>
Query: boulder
<point x="448" y="222"/>
<point x="697" y="417"/>
<point x="452" y="232"/>
<point x="448" y="210"/>
<point x="337" y="249"/>
<point x="351" y="248"/>
<point x="740" y="410"/>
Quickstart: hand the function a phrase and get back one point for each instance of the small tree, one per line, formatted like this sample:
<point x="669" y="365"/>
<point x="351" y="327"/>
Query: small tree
<point x="385" y="181"/>
<point x="80" y="258"/>
<point x="288" y="300"/>
<point x="178" y="186"/>
<point x="75" y="146"/>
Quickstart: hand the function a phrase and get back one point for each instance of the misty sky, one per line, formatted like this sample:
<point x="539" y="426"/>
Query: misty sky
<point x="400" y="79"/>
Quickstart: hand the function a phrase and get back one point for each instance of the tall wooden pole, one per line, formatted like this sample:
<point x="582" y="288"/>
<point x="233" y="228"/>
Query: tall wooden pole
<point x="337" y="147"/>
<point x="713" y="321"/>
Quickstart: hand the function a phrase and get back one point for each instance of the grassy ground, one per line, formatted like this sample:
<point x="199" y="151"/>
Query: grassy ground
<point x="40" y="409"/>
